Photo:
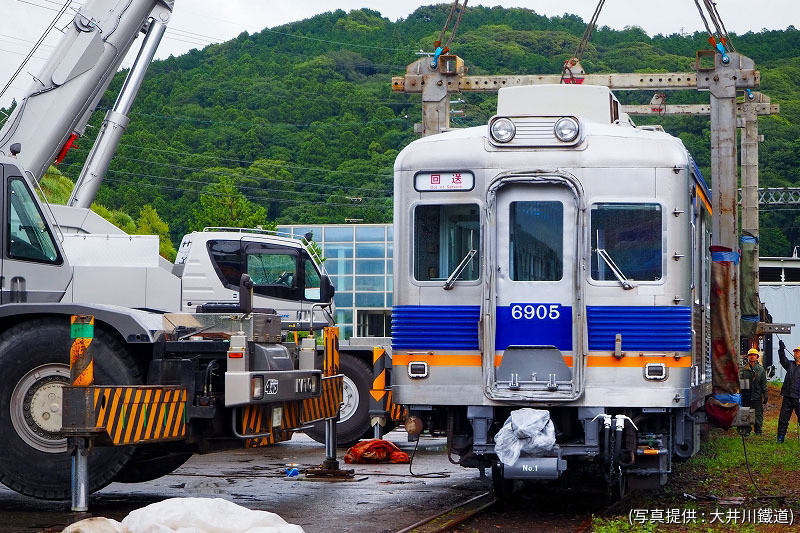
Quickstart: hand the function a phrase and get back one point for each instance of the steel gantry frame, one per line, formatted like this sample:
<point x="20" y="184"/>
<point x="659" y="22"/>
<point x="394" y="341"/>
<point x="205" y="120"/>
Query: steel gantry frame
<point x="722" y="81"/>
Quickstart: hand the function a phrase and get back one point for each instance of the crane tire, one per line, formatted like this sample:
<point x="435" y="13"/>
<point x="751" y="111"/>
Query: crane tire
<point x="34" y="357"/>
<point x="355" y="423"/>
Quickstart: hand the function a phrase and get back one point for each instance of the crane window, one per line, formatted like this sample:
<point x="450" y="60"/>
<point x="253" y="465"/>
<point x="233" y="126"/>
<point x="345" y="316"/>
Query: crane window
<point x="628" y="237"/>
<point x="444" y="236"/>
<point x="536" y="241"/>
<point x="29" y="237"/>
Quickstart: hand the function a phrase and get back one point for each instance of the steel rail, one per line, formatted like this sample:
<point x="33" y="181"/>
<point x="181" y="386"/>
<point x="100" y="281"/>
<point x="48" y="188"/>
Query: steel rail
<point x="452" y="516"/>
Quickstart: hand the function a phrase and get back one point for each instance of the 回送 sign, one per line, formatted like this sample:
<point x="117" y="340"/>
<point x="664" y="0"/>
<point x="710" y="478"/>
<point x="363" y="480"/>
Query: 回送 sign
<point x="444" y="181"/>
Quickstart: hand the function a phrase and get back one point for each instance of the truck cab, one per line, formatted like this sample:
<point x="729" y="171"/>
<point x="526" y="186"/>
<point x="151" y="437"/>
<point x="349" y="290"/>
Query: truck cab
<point x="286" y="277"/>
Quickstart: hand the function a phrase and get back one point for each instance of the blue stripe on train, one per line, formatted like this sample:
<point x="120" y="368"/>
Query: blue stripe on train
<point x="435" y="327"/>
<point x="657" y="329"/>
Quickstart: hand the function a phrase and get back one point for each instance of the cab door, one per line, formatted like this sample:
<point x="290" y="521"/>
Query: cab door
<point x="34" y="268"/>
<point x="536" y="293"/>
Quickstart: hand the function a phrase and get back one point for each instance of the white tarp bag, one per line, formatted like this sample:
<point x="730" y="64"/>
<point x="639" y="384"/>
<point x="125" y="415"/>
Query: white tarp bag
<point x="190" y="515"/>
<point x="96" y="525"/>
<point x="526" y="432"/>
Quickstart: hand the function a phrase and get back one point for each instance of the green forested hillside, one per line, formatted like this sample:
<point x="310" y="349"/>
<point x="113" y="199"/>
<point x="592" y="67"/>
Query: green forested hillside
<point x="301" y="119"/>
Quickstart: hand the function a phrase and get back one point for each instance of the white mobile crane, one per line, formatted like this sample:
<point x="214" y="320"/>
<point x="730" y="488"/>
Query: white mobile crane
<point x="217" y="367"/>
<point x="96" y="255"/>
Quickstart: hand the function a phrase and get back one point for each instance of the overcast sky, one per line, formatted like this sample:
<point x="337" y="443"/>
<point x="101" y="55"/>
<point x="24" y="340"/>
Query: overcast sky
<point x="196" y="23"/>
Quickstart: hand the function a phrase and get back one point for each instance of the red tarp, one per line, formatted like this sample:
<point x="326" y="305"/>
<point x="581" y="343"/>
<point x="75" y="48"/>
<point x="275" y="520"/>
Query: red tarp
<point x="375" y="451"/>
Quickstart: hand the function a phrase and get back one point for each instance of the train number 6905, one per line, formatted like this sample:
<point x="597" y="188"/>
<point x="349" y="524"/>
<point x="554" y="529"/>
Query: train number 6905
<point x="535" y="312"/>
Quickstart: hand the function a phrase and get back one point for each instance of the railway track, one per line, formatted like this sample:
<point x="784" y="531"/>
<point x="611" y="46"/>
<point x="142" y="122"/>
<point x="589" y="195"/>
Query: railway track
<point x="453" y="516"/>
<point x="470" y="509"/>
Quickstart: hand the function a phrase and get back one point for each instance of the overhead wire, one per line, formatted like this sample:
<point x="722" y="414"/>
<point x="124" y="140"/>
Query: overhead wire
<point x="276" y="32"/>
<point x="233" y="174"/>
<point x="246" y="162"/>
<point x="372" y="47"/>
<point x="253" y="198"/>
<point x="264" y="122"/>
<point x="242" y="187"/>
<point x="36" y="46"/>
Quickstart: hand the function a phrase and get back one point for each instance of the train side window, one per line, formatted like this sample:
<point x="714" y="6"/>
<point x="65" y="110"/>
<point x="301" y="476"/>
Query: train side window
<point x="631" y="236"/>
<point x="29" y="238"/>
<point x="536" y="241"/>
<point x="443" y="236"/>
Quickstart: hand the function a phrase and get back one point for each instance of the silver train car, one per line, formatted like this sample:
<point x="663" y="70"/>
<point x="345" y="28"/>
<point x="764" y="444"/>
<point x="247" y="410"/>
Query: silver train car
<point x="555" y="259"/>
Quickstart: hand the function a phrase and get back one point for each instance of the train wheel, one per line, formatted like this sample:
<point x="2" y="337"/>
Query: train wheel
<point x="503" y="488"/>
<point x="616" y="488"/>
<point x="34" y="357"/>
<point x="354" y="415"/>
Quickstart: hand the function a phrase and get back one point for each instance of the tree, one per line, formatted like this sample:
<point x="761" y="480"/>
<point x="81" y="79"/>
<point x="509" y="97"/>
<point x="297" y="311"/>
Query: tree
<point x="149" y="223"/>
<point x="222" y="204"/>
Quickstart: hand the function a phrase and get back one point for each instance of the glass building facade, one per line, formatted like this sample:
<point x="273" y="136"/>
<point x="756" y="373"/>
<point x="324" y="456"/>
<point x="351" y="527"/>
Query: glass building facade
<point x="358" y="259"/>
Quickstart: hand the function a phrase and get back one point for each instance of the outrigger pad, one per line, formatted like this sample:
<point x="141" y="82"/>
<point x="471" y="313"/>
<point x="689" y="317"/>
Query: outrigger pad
<point x="525" y="361"/>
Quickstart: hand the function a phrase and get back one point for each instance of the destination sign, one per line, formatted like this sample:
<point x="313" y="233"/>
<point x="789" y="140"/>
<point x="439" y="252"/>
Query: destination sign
<point x="444" y="181"/>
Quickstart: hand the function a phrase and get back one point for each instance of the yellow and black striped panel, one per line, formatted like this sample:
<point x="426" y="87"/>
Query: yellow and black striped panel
<point x="330" y="339"/>
<point x="132" y="415"/>
<point x="397" y="412"/>
<point x="256" y="419"/>
<point x="327" y="404"/>
<point x="277" y="435"/>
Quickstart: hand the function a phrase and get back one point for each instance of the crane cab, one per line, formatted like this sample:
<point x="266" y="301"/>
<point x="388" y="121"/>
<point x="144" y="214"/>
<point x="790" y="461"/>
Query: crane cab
<point x="34" y="266"/>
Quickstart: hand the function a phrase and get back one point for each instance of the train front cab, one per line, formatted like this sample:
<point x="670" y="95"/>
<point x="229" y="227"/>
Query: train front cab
<point x="586" y="296"/>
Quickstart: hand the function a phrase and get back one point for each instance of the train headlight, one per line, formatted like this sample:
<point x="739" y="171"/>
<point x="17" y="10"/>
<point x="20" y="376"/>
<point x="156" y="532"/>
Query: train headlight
<point x="566" y="129"/>
<point x="503" y="130"/>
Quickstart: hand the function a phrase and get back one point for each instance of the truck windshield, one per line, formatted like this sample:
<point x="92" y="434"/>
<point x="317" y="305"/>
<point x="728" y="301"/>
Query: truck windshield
<point x="272" y="269"/>
<point x="28" y="236"/>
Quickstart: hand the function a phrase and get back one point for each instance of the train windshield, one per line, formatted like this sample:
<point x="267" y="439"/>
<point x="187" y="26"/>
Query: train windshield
<point x="443" y="236"/>
<point x="536" y="241"/>
<point x="630" y="235"/>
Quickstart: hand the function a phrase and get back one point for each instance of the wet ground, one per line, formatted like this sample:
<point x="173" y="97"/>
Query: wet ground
<point x="381" y="498"/>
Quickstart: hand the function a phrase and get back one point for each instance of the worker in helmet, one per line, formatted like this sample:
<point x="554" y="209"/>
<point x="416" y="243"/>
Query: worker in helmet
<point x="790" y="390"/>
<point x="754" y="375"/>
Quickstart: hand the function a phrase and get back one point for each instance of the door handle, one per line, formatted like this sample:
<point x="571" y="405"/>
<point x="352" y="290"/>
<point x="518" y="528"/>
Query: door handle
<point x="19" y="294"/>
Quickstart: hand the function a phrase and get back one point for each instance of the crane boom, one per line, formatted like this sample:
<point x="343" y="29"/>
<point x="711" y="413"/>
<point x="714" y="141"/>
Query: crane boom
<point x="64" y="94"/>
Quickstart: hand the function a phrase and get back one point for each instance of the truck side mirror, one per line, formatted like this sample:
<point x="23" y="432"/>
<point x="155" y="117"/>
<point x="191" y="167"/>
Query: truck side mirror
<point x="326" y="289"/>
<point x="246" y="294"/>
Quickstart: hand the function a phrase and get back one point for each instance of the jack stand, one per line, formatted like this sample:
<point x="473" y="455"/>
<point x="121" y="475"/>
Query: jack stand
<point x="377" y="428"/>
<point x="79" y="449"/>
<point x="329" y="469"/>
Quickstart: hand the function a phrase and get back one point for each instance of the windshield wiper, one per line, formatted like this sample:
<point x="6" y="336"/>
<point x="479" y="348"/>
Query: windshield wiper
<point x="615" y="269"/>
<point x="451" y="280"/>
